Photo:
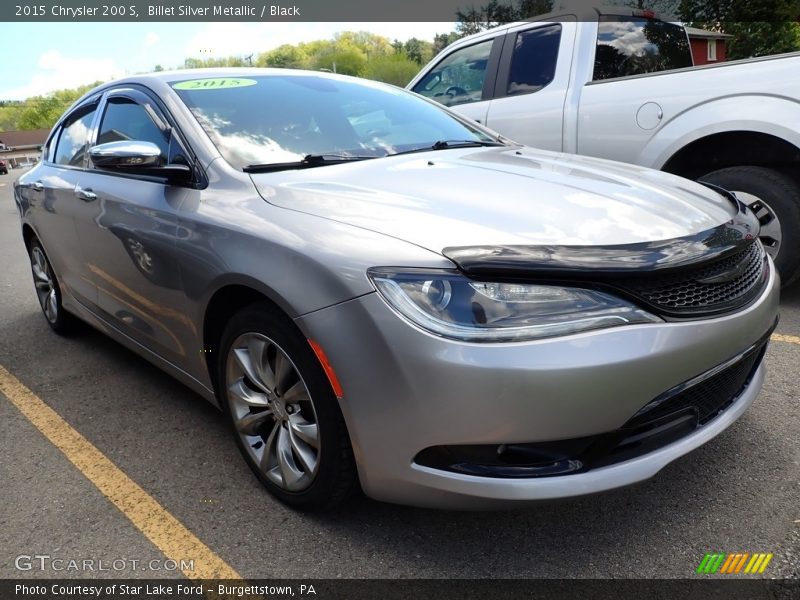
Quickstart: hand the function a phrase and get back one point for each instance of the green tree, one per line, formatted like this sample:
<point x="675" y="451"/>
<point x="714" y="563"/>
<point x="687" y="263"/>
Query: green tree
<point x="286" y="56"/>
<point x="205" y="63"/>
<point x="41" y="112"/>
<point x="370" y="44"/>
<point x="443" y="40"/>
<point x="758" y="27"/>
<point x="498" y="12"/>
<point x="340" y="56"/>
<point x="10" y="112"/>
<point x="418" y="50"/>
<point x="397" y="69"/>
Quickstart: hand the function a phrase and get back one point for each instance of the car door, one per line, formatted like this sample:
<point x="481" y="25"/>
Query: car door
<point x="464" y="79"/>
<point x="131" y="235"/>
<point x="51" y="191"/>
<point x="532" y="83"/>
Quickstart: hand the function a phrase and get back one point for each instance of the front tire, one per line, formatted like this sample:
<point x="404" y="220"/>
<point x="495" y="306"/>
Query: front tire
<point x="283" y="412"/>
<point x="775" y="199"/>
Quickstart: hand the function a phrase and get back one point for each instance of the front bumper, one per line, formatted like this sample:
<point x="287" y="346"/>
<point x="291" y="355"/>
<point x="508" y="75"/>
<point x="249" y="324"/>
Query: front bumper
<point x="406" y="390"/>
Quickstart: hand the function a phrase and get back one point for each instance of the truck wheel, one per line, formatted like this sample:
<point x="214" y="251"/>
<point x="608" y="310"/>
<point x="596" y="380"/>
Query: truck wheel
<point x="775" y="200"/>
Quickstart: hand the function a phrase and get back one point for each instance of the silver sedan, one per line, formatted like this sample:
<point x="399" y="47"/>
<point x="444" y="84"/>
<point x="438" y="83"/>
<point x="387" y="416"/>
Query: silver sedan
<point x="380" y="293"/>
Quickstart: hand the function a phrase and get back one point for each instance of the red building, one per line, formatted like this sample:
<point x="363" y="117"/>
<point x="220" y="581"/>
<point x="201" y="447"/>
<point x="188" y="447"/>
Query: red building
<point x="708" y="47"/>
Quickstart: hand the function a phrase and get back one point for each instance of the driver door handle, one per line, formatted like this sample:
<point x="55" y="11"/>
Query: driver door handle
<point x="85" y="194"/>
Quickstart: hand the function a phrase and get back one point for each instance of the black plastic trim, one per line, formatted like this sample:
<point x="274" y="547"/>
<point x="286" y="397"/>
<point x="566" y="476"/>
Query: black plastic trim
<point x="522" y="261"/>
<point x="593" y="262"/>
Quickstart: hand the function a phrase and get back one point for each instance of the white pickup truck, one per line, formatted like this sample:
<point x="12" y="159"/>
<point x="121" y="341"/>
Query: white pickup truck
<point x="622" y="86"/>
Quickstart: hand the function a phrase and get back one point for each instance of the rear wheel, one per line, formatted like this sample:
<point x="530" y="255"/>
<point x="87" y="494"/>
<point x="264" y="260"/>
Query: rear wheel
<point x="775" y="200"/>
<point x="284" y="414"/>
<point x="48" y="292"/>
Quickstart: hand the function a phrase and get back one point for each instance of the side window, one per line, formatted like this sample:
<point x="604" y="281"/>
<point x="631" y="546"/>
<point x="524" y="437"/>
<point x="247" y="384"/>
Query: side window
<point x="458" y="78"/>
<point x="125" y="119"/>
<point x="636" y="46"/>
<point x="533" y="64"/>
<point x="73" y="139"/>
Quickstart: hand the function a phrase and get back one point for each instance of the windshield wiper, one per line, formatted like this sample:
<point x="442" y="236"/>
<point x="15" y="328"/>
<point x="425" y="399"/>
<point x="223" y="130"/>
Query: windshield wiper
<point x="448" y="144"/>
<point x="307" y="162"/>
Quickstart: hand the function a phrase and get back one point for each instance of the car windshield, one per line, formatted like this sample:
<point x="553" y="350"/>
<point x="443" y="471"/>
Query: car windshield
<point x="267" y="120"/>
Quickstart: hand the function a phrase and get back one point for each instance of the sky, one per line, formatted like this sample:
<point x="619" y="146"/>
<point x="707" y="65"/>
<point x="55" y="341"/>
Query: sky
<point x="37" y="58"/>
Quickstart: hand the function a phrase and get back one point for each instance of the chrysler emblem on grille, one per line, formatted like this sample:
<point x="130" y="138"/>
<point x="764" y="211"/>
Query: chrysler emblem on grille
<point x="731" y="274"/>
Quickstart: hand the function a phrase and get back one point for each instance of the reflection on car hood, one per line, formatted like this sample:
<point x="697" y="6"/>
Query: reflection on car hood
<point x="501" y="196"/>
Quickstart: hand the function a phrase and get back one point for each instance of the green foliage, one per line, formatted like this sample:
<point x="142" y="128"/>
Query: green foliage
<point x="285" y="57"/>
<point x="758" y="27"/>
<point x="420" y="51"/>
<point x="498" y="12"/>
<point x="759" y="38"/>
<point x="443" y="40"/>
<point x="397" y="69"/>
<point x="204" y="63"/>
<point x="39" y="112"/>
<point x="340" y="56"/>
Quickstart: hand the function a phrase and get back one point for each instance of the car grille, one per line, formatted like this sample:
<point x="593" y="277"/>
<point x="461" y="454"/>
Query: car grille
<point x="707" y="398"/>
<point x="706" y="289"/>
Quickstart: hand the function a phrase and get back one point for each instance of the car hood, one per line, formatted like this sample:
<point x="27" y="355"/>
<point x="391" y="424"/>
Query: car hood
<point x="501" y="196"/>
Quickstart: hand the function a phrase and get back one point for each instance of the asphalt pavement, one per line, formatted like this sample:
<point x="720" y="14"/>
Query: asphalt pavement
<point x="738" y="493"/>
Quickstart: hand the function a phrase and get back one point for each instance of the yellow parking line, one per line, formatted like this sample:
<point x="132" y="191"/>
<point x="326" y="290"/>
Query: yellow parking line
<point x="152" y="519"/>
<point x="791" y="339"/>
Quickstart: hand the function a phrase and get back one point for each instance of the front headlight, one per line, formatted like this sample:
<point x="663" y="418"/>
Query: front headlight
<point x="448" y="304"/>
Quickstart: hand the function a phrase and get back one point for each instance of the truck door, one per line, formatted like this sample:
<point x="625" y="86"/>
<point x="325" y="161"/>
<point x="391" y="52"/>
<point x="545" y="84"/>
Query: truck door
<point x="532" y="83"/>
<point x="464" y="79"/>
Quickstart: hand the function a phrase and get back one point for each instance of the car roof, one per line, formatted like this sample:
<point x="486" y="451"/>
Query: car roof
<point x="220" y="72"/>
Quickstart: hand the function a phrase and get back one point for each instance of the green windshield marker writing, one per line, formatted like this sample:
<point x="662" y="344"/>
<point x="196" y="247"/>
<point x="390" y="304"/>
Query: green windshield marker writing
<point x="214" y="84"/>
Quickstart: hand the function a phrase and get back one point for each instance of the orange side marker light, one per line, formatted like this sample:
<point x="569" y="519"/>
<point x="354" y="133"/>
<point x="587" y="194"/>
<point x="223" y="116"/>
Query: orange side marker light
<point x="326" y="366"/>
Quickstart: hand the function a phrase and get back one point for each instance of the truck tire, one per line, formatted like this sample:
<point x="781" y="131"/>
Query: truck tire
<point x="775" y="199"/>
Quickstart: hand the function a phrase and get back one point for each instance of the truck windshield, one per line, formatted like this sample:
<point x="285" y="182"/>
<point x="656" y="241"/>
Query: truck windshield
<point x="632" y="46"/>
<point x="285" y="118"/>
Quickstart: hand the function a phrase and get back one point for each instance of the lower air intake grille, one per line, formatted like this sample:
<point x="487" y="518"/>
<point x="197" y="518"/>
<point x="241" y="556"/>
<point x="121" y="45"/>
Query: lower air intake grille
<point x="707" y="398"/>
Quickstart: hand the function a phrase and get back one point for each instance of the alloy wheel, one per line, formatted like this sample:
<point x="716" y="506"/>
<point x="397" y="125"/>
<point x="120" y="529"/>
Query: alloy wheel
<point x="45" y="286"/>
<point x="273" y="411"/>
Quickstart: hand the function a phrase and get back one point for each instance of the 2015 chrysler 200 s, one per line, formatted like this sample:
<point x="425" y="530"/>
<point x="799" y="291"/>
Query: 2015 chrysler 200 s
<point x="378" y="291"/>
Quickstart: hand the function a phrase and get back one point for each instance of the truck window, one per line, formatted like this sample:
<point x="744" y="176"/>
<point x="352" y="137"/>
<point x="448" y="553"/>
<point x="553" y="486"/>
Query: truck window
<point x="458" y="78"/>
<point x="632" y="46"/>
<point x="533" y="64"/>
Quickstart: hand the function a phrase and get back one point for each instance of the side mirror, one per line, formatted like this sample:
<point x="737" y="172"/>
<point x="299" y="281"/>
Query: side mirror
<point x="127" y="153"/>
<point x="134" y="156"/>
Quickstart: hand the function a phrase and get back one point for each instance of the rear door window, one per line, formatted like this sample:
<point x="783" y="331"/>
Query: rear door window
<point x="533" y="64"/>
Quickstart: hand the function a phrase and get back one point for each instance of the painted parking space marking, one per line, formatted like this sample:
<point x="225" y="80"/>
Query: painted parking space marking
<point x="159" y="526"/>
<point x="790" y="339"/>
